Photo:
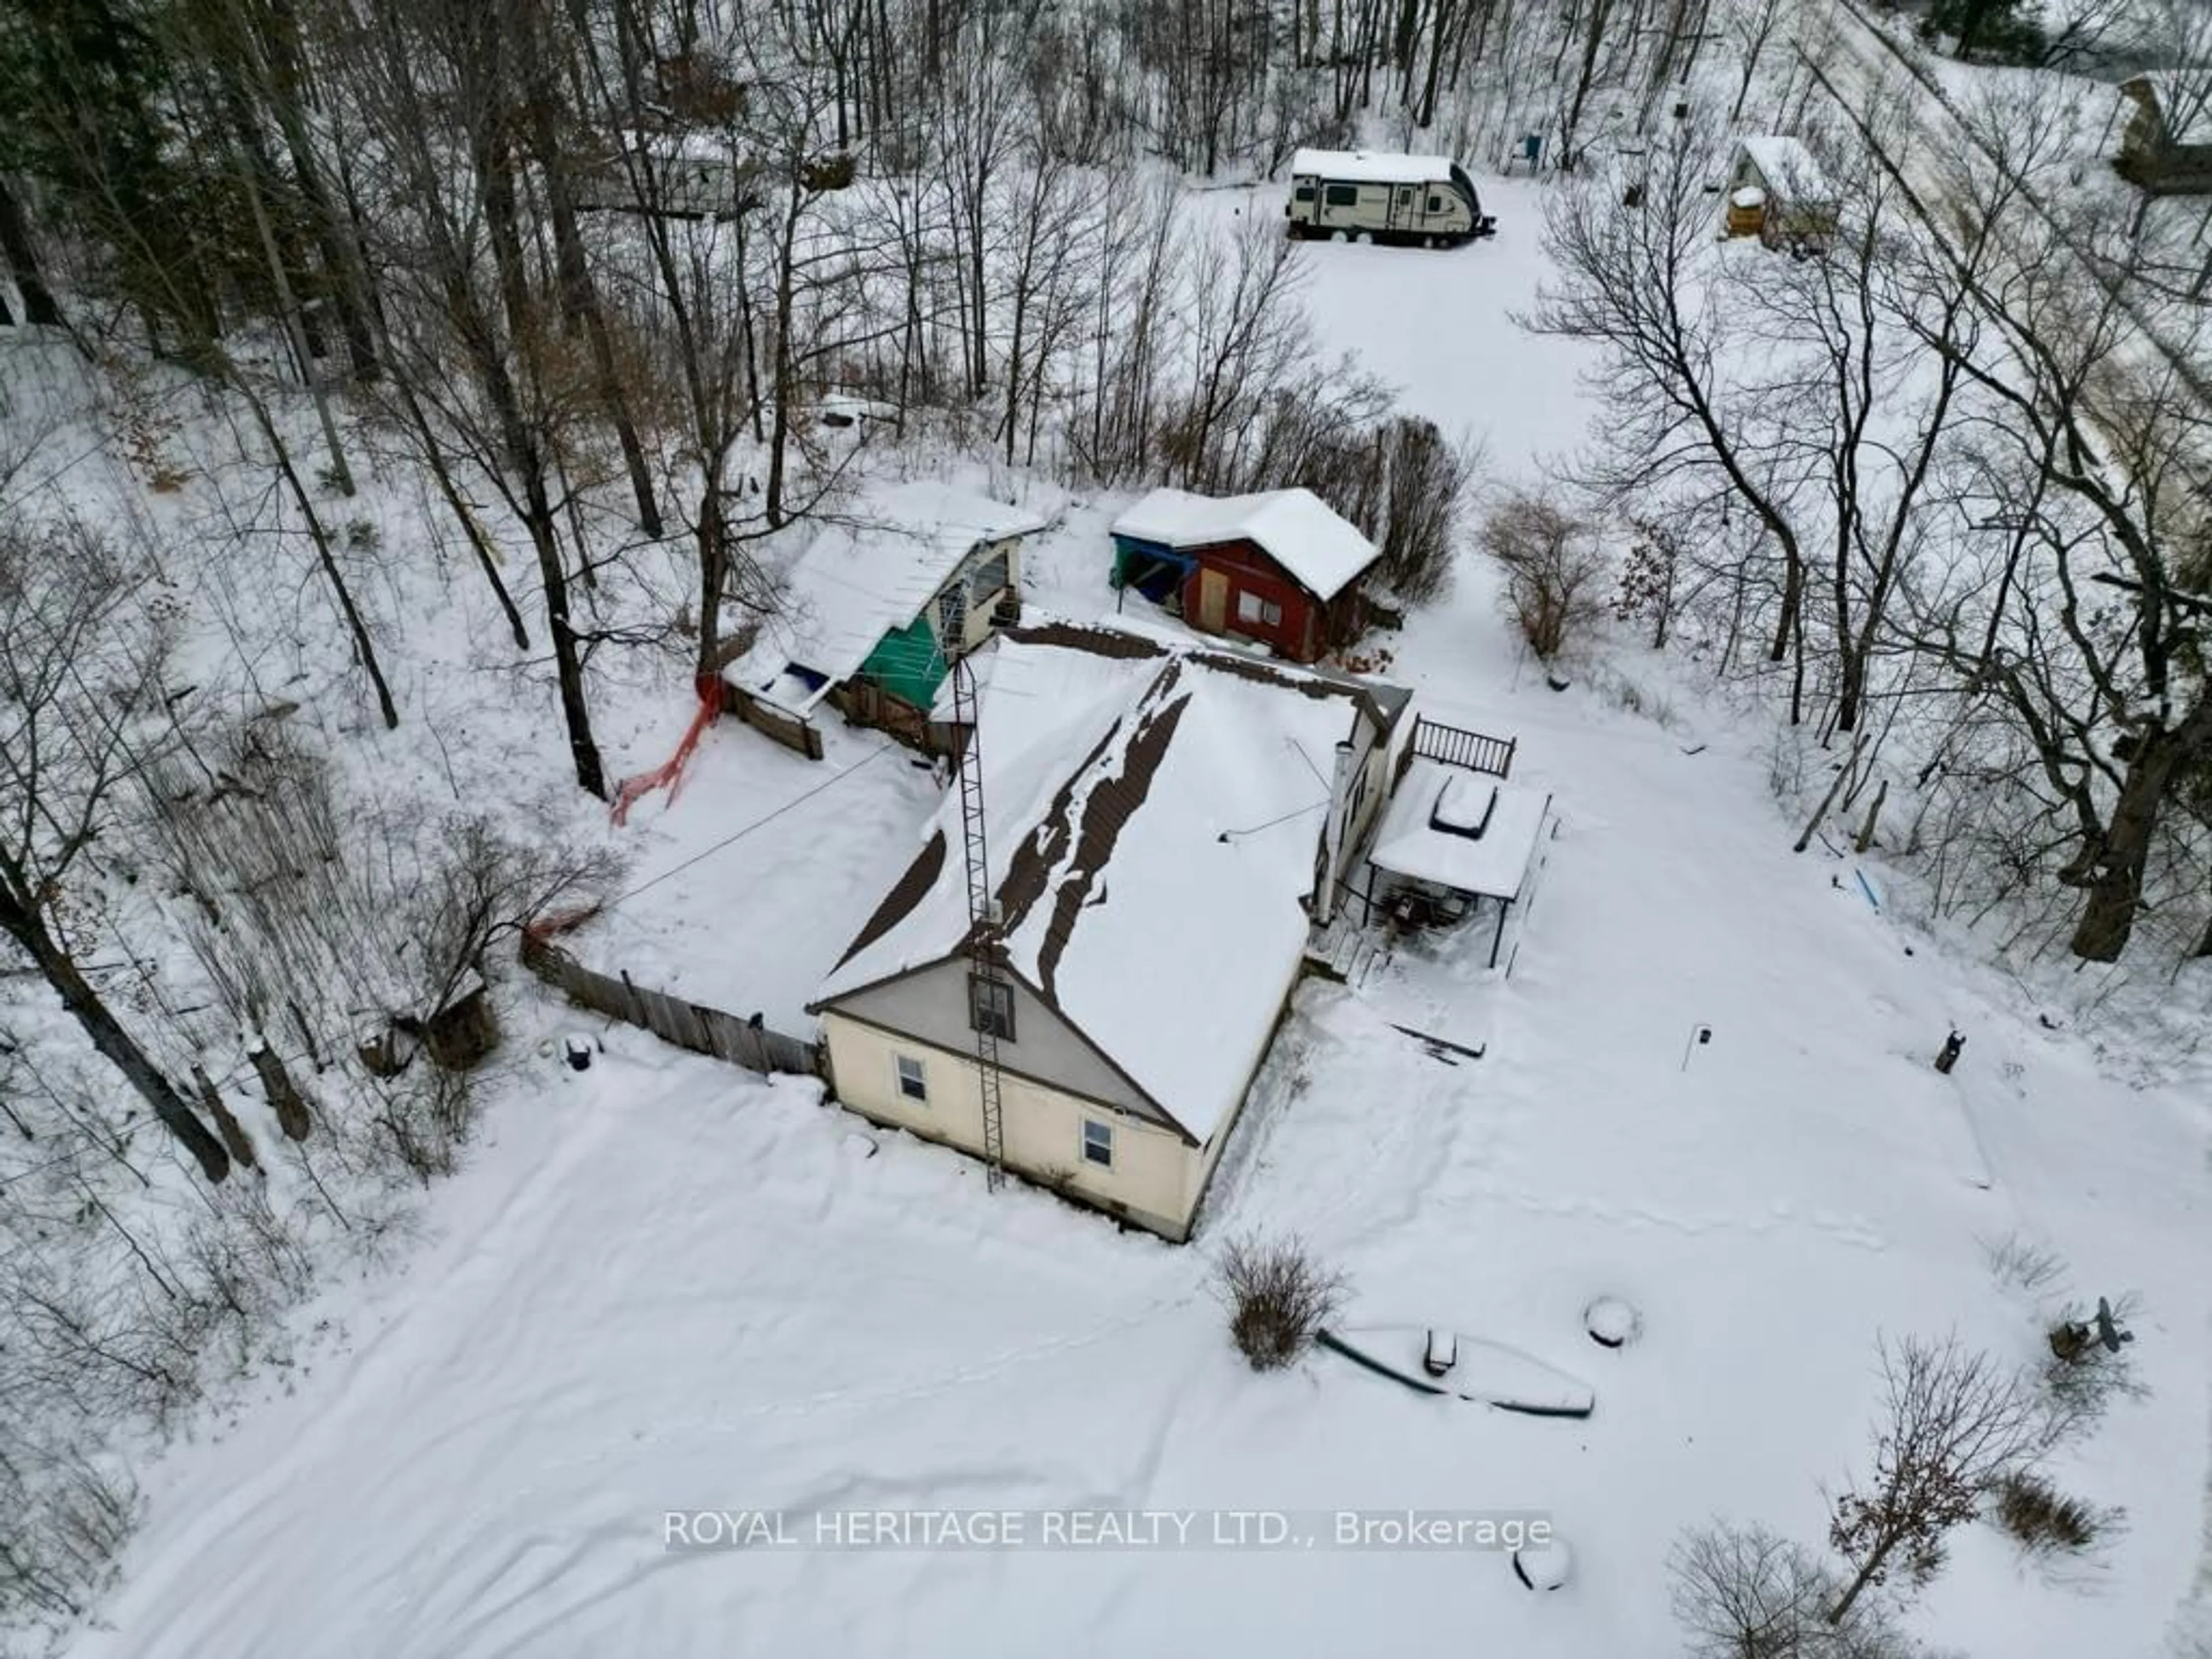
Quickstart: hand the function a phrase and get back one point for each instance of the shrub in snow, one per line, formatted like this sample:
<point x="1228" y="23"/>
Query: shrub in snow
<point x="1277" y="1295"/>
<point x="2044" y="1522"/>
<point x="67" y="1516"/>
<point x="2018" y="1263"/>
<point x="1554" y="570"/>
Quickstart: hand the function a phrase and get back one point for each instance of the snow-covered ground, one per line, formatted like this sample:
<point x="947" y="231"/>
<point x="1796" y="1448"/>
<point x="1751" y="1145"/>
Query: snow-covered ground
<point x="662" y="1285"/>
<point x="725" y="905"/>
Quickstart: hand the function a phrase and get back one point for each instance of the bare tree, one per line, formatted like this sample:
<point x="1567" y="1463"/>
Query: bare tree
<point x="1744" y="1592"/>
<point x="1554" y="569"/>
<point x="1749" y="25"/>
<point x="2085" y="612"/>
<point x="1633" y="281"/>
<point x="1953" y="1423"/>
<point x="78" y="675"/>
<point x="434" y="83"/>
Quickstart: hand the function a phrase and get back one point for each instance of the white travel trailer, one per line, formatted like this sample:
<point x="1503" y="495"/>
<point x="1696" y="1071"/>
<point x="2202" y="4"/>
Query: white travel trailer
<point x="1368" y="195"/>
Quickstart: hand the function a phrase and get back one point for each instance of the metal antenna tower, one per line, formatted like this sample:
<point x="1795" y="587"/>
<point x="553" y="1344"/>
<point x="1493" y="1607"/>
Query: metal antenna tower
<point x="988" y="988"/>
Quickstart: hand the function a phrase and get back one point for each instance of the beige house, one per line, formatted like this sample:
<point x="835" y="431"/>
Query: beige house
<point x="1166" y="825"/>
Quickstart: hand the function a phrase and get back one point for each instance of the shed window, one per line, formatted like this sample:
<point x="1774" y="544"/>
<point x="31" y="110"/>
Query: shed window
<point x="1259" y="612"/>
<point x="1098" y="1142"/>
<point x="987" y="578"/>
<point x="991" y="1006"/>
<point x="913" y="1082"/>
<point x="1342" y="196"/>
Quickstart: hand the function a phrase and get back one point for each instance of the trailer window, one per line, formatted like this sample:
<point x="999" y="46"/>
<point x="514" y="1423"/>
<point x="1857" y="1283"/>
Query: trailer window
<point x="1435" y="202"/>
<point x="1303" y="193"/>
<point x="1343" y="196"/>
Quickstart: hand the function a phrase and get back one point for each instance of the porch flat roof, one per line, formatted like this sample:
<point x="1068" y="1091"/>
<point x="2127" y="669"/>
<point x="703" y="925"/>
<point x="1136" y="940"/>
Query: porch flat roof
<point x="1494" y="865"/>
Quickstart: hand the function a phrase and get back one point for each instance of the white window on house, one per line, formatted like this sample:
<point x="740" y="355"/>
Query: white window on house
<point x="913" y="1081"/>
<point x="1098" y="1142"/>
<point x="1257" y="612"/>
<point x="991" y="1006"/>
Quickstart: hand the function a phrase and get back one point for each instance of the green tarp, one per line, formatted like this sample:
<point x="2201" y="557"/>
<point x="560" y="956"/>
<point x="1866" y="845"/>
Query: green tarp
<point x="908" y="664"/>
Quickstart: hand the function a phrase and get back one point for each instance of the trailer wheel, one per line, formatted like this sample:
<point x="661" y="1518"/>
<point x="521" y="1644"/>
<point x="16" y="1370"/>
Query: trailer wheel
<point x="1341" y="236"/>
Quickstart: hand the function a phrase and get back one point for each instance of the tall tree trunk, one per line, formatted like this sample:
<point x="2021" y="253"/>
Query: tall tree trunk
<point x="779" y="362"/>
<point x="28" y="928"/>
<point x="23" y="254"/>
<point x="579" y="300"/>
<point x="341" y="474"/>
<point x="524" y="457"/>
<point x="480" y="543"/>
<point x="364" y="647"/>
<point x="2113" y="871"/>
<point x="350" y="289"/>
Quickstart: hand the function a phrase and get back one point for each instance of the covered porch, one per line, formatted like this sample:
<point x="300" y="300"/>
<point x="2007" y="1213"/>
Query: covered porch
<point x="1452" y="842"/>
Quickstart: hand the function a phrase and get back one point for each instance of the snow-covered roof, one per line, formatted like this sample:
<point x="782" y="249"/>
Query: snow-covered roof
<point x="1154" y="814"/>
<point x="1296" y="527"/>
<point x="1460" y="830"/>
<point x="1365" y="166"/>
<point x="860" y="578"/>
<point x="2184" y="100"/>
<point x="1788" y="167"/>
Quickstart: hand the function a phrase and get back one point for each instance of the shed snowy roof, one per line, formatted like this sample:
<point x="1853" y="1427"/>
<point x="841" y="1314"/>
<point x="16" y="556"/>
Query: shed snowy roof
<point x="2185" y="102"/>
<point x="1460" y="830"/>
<point x="1371" y="166"/>
<point x="860" y="578"/>
<point x="1154" y="815"/>
<point x="1296" y="528"/>
<point x="1789" y="168"/>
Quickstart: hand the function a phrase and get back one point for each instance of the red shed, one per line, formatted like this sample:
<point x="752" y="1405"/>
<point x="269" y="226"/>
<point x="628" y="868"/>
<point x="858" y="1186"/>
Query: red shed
<point x="1278" y="567"/>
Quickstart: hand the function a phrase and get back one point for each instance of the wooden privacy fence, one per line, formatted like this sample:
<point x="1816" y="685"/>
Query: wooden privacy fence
<point x="687" y="1024"/>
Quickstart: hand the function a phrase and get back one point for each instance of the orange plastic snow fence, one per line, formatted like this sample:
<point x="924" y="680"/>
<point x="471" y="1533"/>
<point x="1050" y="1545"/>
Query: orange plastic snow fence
<point x="670" y="772"/>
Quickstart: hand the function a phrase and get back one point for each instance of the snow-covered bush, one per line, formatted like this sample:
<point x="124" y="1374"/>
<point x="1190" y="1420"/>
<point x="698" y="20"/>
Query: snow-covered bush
<point x="1278" y="1296"/>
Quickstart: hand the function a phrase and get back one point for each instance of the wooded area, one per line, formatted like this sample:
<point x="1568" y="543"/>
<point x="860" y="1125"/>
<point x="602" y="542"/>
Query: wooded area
<point x="582" y="279"/>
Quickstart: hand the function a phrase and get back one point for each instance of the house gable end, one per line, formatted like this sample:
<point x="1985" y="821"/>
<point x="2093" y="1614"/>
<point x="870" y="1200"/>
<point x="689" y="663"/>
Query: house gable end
<point x="930" y="1005"/>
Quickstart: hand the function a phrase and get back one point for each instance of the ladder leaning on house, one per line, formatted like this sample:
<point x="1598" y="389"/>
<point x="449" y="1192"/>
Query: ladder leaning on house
<point x="986" y="982"/>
